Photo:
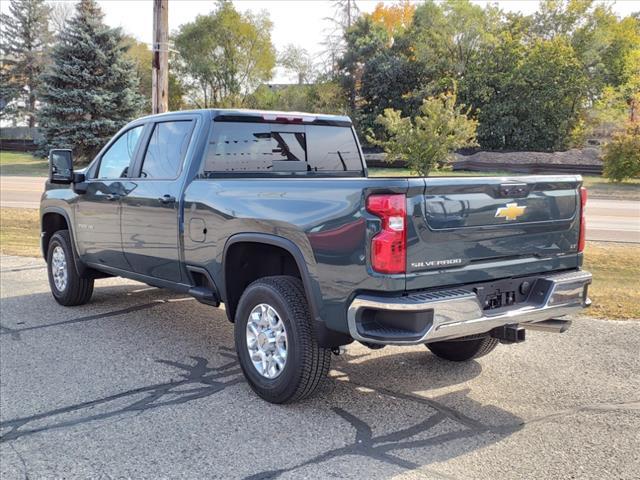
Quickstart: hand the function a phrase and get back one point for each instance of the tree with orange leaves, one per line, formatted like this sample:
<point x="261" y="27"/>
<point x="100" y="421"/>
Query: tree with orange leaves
<point x="395" y="18"/>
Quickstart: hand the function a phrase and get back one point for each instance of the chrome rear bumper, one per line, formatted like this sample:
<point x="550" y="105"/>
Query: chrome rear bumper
<point x="449" y="314"/>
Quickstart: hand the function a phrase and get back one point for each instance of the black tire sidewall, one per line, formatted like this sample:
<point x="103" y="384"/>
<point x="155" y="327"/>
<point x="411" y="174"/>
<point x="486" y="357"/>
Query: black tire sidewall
<point x="462" y="350"/>
<point x="58" y="241"/>
<point x="282" y="387"/>
<point x="78" y="290"/>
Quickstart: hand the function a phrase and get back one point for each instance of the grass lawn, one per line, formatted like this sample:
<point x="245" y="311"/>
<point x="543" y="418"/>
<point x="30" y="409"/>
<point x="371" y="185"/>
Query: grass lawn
<point x="21" y="163"/>
<point x="598" y="187"/>
<point x="615" y="291"/>
<point x="20" y="232"/>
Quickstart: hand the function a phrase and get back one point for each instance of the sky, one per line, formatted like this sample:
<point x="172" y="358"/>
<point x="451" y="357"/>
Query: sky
<point x="301" y="22"/>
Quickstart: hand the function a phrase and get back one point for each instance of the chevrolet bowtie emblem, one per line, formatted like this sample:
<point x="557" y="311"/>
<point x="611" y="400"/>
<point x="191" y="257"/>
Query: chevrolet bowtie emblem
<point x="510" y="212"/>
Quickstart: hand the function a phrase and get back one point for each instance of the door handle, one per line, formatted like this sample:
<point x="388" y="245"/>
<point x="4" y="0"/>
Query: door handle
<point x="166" y="199"/>
<point x="113" y="197"/>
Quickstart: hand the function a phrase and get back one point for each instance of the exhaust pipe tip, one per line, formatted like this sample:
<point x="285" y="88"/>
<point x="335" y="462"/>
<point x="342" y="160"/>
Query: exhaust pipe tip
<point x="554" y="325"/>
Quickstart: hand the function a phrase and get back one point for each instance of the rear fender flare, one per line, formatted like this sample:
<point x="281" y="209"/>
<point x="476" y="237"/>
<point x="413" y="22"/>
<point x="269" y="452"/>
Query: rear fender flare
<point x="311" y="287"/>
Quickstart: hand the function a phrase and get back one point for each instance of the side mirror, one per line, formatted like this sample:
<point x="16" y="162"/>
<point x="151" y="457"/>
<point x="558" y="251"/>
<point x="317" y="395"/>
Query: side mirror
<point x="60" y="166"/>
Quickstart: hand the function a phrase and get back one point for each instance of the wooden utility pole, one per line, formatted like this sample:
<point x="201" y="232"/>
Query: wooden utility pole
<point x="160" y="75"/>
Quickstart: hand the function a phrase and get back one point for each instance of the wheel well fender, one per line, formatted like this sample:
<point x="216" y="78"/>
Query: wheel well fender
<point x="251" y="256"/>
<point x="53" y="219"/>
<point x="292" y="262"/>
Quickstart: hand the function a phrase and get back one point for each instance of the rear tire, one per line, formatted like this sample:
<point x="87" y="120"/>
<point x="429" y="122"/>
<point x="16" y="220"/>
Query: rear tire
<point x="463" y="350"/>
<point x="278" y="352"/>
<point x="67" y="287"/>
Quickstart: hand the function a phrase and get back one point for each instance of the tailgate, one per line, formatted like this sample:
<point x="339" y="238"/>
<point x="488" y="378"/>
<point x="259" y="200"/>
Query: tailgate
<point x="482" y="228"/>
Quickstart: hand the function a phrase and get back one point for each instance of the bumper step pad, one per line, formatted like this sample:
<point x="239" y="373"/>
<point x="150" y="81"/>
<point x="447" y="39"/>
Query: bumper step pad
<point x="424" y="317"/>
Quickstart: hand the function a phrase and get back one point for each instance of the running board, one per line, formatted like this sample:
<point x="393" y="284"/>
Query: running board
<point x="204" y="295"/>
<point x="203" y="287"/>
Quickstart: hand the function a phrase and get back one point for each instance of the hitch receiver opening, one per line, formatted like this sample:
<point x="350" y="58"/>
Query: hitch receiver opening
<point x="509" y="334"/>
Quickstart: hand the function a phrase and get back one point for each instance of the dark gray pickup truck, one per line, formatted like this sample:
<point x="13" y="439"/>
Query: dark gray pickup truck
<point x="273" y="214"/>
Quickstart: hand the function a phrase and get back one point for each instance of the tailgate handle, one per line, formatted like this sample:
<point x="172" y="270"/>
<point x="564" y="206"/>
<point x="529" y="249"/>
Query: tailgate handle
<point x="513" y="190"/>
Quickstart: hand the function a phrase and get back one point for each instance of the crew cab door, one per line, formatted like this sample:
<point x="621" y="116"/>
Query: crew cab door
<point x="97" y="211"/>
<point x="150" y="212"/>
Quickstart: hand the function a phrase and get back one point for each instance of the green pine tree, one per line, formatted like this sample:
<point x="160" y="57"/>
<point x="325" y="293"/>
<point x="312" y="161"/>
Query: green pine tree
<point x="24" y="39"/>
<point x="91" y="89"/>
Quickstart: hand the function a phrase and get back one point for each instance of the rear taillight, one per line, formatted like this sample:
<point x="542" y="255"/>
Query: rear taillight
<point x="389" y="246"/>
<point x="583" y="227"/>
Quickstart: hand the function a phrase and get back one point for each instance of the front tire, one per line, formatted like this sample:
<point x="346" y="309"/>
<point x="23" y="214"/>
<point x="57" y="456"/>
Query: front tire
<point x="67" y="287"/>
<point x="463" y="350"/>
<point x="276" y="347"/>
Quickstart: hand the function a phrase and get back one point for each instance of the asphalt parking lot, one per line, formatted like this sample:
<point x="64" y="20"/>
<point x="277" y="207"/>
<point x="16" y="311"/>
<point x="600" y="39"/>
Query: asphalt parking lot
<point x="142" y="383"/>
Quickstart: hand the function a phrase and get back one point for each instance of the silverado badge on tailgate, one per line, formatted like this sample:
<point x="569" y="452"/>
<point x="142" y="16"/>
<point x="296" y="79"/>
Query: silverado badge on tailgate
<point x="511" y="212"/>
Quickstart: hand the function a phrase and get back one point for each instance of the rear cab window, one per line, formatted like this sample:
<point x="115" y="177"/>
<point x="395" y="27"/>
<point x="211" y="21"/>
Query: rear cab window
<point x="257" y="148"/>
<point x="166" y="149"/>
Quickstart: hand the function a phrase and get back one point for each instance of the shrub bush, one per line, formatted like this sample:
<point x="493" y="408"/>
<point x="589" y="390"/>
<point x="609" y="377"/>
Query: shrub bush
<point x="622" y="154"/>
<point x="427" y="141"/>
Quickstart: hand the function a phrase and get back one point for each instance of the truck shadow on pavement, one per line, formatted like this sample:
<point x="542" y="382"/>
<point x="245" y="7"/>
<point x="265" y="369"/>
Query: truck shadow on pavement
<point x="198" y="380"/>
<point x="107" y="298"/>
<point x="374" y="414"/>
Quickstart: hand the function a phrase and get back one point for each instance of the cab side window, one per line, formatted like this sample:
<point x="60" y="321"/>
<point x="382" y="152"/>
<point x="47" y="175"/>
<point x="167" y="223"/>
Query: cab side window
<point x="166" y="150"/>
<point x="115" y="161"/>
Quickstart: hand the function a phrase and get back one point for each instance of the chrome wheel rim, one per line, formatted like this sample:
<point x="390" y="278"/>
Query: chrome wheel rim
<point x="59" y="268"/>
<point x="267" y="341"/>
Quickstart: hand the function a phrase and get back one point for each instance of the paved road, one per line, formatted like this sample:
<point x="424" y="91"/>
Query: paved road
<point x="613" y="220"/>
<point x="608" y="220"/>
<point x="144" y="384"/>
<point x="21" y="192"/>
